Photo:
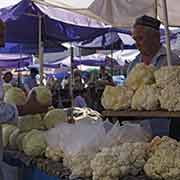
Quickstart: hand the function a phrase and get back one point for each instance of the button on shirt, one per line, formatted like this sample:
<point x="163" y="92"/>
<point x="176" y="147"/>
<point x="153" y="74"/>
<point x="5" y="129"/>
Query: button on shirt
<point x="160" y="59"/>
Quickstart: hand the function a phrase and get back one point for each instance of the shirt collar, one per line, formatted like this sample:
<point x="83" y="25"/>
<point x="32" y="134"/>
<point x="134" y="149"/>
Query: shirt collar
<point x="161" y="52"/>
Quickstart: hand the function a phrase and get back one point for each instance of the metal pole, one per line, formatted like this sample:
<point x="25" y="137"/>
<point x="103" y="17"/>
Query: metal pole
<point x="156" y="9"/>
<point x="71" y="88"/>
<point x="19" y="73"/>
<point x="40" y="43"/>
<point x="168" y="44"/>
<point x="112" y="47"/>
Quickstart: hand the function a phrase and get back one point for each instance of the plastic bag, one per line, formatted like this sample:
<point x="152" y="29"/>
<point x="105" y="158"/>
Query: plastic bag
<point x="79" y="142"/>
<point x="85" y="138"/>
<point x="8" y="113"/>
<point x="128" y="133"/>
<point x="77" y="138"/>
<point x="107" y="125"/>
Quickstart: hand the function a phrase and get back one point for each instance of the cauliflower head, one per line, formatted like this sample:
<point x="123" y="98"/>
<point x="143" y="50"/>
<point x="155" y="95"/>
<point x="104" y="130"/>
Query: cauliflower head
<point x="146" y="98"/>
<point x="55" y="154"/>
<point x="44" y="95"/>
<point x="54" y="117"/>
<point x="164" y="161"/>
<point x="119" y="161"/>
<point x="29" y="122"/>
<point x="12" y="138"/>
<point x="19" y="141"/>
<point x="6" y="87"/>
<point x="141" y="74"/>
<point x="170" y="97"/>
<point x="80" y="164"/>
<point x="117" y="98"/>
<point x="34" y="143"/>
<point x="7" y="130"/>
<point x="167" y="75"/>
<point x="15" y="96"/>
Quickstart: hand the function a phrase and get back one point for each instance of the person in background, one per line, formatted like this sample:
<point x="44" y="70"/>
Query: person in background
<point x="105" y="76"/>
<point x="31" y="81"/>
<point x="78" y="84"/>
<point x="65" y="82"/>
<point x="8" y="78"/>
<point x="146" y="33"/>
<point x="79" y="100"/>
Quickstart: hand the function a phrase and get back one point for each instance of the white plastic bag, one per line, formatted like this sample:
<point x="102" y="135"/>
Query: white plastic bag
<point x="128" y="133"/>
<point x="79" y="142"/>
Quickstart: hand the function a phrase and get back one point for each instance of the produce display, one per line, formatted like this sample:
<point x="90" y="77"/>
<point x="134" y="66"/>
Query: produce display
<point x="15" y="96"/>
<point x="92" y="158"/>
<point x="153" y="90"/>
<point x="93" y="149"/>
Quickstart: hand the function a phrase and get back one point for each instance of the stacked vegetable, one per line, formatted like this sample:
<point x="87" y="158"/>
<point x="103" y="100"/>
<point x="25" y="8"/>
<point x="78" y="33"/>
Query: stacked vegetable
<point x="150" y="89"/>
<point x="93" y="155"/>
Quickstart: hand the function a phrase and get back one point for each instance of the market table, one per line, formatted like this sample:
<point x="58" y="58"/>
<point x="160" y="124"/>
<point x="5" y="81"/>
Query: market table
<point x="33" y="169"/>
<point x="40" y="168"/>
<point x="140" y="114"/>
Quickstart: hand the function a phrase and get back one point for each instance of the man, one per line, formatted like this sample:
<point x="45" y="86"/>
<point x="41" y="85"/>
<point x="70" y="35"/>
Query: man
<point x="30" y="81"/>
<point x="146" y="33"/>
<point x="105" y="76"/>
<point x="8" y="78"/>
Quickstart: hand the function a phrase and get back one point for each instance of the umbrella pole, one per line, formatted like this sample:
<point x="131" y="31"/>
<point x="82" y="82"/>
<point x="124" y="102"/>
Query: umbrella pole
<point x="72" y="80"/>
<point x="112" y="47"/>
<point x="156" y="9"/>
<point x="19" y="74"/>
<point x="40" y="43"/>
<point x="168" y="44"/>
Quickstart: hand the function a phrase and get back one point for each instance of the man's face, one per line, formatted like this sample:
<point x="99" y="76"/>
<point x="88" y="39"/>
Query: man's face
<point x="143" y="41"/>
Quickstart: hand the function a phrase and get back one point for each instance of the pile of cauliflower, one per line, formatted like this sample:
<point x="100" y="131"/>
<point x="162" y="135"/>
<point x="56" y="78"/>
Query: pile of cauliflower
<point x="164" y="159"/>
<point x="146" y="88"/>
<point x="159" y="159"/>
<point x="140" y="75"/>
<point x="117" y="98"/>
<point x="116" y="162"/>
<point x="146" y="98"/>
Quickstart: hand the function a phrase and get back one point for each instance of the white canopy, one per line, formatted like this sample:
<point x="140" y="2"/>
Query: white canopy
<point x="119" y="13"/>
